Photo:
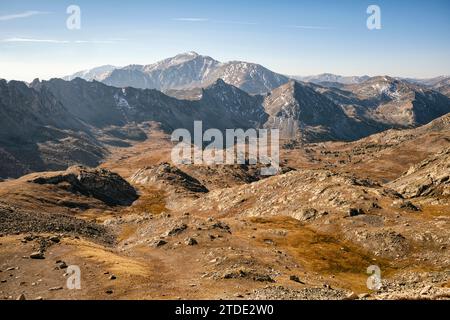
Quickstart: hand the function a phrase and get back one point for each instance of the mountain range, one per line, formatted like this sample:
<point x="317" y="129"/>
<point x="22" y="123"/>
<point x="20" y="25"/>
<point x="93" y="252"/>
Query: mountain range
<point x="186" y="71"/>
<point x="190" y="70"/>
<point x="48" y="125"/>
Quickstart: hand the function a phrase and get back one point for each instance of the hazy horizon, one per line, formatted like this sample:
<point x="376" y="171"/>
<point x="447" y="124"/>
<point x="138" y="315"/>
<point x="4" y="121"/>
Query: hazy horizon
<point x="296" y="39"/>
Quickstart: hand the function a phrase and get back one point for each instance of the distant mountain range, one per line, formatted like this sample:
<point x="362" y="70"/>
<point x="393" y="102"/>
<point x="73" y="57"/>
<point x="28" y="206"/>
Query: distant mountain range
<point x="441" y="84"/>
<point x="189" y="71"/>
<point x="98" y="73"/>
<point x="48" y="125"/>
<point x="186" y="71"/>
<point x="331" y="78"/>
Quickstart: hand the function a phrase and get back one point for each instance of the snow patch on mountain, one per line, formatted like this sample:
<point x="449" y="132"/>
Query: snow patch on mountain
<point x="121" y="102"/>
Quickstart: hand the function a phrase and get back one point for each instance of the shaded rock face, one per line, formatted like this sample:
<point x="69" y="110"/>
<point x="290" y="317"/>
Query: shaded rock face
<point x="38" y="133"/>
<point x="222" y="106"/>
<point x="167" y="175"/>
<point x="101" y="184"/>
<point x="300" y="112"/>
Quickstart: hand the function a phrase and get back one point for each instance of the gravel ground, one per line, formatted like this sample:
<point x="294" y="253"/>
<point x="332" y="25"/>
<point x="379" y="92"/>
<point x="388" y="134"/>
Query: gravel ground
<point x="14" y="221"/>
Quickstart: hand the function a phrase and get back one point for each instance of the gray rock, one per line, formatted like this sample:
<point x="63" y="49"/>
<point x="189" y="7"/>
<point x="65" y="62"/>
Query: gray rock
<point x="159" y="243"/>
<point x="295" y="279"/>
<point x="352" y="296"/>
<point x="177" y="230"/>
<point x="408" y="205"/>
<point x="21" y="297"/>
<point x="55" y="288"/>
<point x="191" y="242"/>
<point x="55" y="239"/>
<point x="39" y="255"/>
<point x="353" y="212"/>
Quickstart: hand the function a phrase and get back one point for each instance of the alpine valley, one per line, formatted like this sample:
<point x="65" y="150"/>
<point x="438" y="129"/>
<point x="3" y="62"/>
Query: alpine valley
<point x="86" y="179"/>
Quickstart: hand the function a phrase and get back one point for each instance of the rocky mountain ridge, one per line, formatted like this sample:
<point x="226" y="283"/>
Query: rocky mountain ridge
<point x="54" y="124"/>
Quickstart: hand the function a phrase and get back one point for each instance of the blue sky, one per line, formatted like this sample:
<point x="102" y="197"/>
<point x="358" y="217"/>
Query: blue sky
<point x="290" y="37"/>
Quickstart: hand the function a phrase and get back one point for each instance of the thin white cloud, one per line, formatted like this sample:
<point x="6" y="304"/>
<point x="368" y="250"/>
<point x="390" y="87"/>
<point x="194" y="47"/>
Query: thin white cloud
<point x="215" y="21"/>
<point x="22" y="15"/>
<point x="312" y="27"/>
<point x="33" y="40"/>
<point x="237" y="22"/>
<point x="96" y="41"/>
<point x="191" y="19"/>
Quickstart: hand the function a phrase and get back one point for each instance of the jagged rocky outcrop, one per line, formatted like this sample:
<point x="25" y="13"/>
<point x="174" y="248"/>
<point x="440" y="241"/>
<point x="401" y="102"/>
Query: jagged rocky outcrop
<point x="101" y="184"/>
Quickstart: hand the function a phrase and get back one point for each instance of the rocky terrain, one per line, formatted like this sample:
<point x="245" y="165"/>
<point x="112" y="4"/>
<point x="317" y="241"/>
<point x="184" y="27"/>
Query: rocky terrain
<point x="310" y="232"/>
<point x="86" y="180"/>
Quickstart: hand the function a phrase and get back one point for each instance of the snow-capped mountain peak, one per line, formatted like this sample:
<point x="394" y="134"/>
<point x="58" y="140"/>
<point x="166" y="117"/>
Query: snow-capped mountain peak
<point x="192" y="70"/>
